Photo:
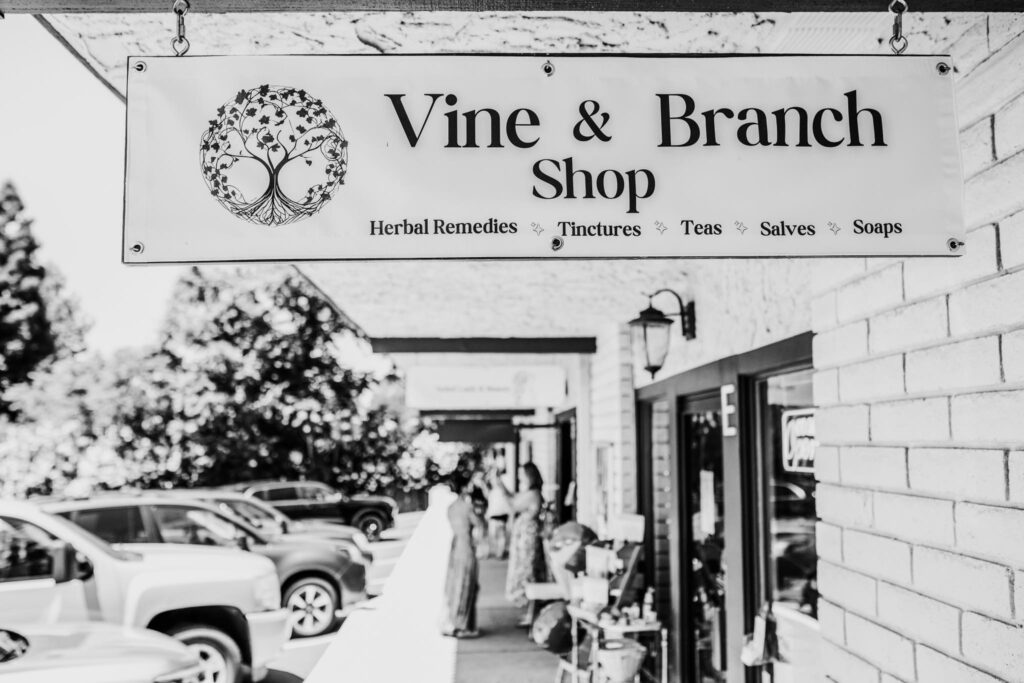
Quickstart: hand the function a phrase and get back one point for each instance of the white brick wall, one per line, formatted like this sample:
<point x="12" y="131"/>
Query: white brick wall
<point x="613" y="419"/>
<point x="920" y="382"/>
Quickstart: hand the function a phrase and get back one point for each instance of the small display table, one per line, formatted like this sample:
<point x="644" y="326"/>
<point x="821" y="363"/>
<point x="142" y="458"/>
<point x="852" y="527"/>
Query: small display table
<point x="601" y="633"/>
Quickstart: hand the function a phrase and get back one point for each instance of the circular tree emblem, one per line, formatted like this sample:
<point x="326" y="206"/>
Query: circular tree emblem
<point x="274" y="155"/>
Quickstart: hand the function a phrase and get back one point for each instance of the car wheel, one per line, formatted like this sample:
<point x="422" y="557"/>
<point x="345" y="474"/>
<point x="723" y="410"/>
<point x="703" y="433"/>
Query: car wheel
<point x="312" y="603"/>
<point x="219" y="655"/>
<point x="372" y="524"/>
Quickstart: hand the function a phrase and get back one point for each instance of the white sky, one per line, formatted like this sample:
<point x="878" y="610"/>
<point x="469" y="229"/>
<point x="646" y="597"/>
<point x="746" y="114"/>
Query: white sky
<point x="62" y="144"/>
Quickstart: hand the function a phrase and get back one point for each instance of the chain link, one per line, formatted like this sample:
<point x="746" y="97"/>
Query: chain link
<point x="898" y="42"/>
<point x="180" y="43"/>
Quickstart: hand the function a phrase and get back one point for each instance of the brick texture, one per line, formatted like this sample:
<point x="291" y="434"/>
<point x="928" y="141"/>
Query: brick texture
<point x="965" y="581"/>
<point x="921" y="574"/>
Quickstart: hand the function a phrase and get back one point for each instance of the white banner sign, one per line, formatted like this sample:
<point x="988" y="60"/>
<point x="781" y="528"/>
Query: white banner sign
<point x="410" y="157"/>
<point x="485" y="388"/>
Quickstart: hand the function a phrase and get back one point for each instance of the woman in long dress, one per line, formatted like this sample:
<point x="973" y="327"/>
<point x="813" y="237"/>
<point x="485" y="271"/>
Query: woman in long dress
<point x="526" y="551"/>
<point x="462" y="582"/>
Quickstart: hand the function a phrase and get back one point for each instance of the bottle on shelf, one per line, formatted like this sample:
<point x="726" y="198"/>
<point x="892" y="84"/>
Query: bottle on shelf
<point x="648" y="612"/>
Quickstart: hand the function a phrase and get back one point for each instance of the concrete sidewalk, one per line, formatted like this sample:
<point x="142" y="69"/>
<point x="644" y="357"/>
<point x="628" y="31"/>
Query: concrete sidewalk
<point x="503" y="653"/>
<point x="397" y="640"/>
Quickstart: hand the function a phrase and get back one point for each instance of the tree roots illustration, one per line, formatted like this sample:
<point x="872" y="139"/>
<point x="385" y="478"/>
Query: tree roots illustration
<point x="273" y="126"/>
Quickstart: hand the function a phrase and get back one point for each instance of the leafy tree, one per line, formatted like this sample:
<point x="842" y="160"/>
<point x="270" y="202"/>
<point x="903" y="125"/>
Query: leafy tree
<point x="66" y="433"/>
<point x="38" y="320"/>
<point x="254" y="384"/>
<point x="64" y="312"/>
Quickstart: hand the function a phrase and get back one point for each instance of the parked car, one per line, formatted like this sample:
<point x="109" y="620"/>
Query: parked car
<point x="313" y="500"/>
<point x="93" y="652"/>
<point x="223" y="603"/>
<point x="317" y="577"/>
<point x="270" y="521"/>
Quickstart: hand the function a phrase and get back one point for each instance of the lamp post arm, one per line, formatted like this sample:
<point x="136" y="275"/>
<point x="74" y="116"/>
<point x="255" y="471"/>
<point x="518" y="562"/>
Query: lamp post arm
<point x="687" y="314"/>
<point x="682" y="306"/>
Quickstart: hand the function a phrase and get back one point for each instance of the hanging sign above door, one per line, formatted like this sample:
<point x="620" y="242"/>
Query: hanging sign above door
<point x="474" y="156"/>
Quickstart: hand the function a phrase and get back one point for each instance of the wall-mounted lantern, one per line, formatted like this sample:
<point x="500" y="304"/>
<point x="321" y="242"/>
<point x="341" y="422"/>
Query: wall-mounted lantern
<point x="651" y="330"/>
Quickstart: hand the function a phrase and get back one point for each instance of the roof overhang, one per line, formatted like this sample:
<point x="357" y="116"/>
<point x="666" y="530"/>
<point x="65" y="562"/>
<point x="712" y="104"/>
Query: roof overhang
<point x="256" y="6"/>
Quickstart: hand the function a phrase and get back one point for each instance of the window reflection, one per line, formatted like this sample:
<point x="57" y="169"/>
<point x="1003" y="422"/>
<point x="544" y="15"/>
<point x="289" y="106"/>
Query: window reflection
<point x="789" y="466"/>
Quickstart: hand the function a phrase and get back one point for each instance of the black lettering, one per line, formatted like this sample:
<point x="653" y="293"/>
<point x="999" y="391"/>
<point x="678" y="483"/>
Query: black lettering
<point x="667" y="118"/>
<point x="403" y="117"/>
<point x="853" y="116"/>
<point x="471" y="117"/>
<point x="634" y="187"/>
<point x="511" y="128"/>
<point x="761" y="125"/>
<point x="781" y="139"/>
<point x="819" y="133"/>
<point x="544" y="177"/>
<point x="709" y="123"/>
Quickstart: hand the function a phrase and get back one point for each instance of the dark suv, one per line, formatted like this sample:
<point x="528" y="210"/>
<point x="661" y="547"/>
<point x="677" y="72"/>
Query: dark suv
<point x="317" y="576"/>
<point x="313" y="500"/>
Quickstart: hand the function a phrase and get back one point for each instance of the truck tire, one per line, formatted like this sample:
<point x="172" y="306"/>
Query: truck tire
<point x="371" y="523"/>
<point x="312" y="603"/>
<point x="218" y="653"/>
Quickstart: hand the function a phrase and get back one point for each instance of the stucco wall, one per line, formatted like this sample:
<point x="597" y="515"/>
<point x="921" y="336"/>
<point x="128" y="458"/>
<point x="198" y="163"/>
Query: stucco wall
<point x="920" y="375"/>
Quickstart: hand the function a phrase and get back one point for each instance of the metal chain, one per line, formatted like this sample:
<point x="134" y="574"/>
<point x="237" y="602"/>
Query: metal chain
<point x="180" y="43"/>
<point x="898" y="42"/>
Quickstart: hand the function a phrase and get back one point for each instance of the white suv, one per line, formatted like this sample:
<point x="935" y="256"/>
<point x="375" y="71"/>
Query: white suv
<point x="224" y="603"/>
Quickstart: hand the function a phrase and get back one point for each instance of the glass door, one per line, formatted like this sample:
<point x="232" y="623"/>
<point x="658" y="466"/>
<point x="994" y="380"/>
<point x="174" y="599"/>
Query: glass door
<point x="789" y="559"/>
<point x="704" y="509"/>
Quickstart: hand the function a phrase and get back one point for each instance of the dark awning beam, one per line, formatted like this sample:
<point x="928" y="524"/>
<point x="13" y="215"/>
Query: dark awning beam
<point x="222" y="6"/>
<point x="483" y="345"/>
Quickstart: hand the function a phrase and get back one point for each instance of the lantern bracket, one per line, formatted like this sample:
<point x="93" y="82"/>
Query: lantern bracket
<point x="687" y="313"/>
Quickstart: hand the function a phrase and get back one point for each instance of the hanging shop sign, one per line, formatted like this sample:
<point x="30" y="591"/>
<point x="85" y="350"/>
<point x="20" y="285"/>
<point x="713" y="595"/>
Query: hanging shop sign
<point x="460" y="156"/>
<point x="798" y="441"/>
<point x="474" y="387"/>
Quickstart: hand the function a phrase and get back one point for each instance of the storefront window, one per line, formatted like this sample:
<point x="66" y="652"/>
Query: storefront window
<point x="787" y="456"/>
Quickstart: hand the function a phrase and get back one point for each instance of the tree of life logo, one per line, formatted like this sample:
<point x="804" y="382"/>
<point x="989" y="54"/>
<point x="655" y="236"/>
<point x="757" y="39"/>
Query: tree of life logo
<point x="274" y="155"/>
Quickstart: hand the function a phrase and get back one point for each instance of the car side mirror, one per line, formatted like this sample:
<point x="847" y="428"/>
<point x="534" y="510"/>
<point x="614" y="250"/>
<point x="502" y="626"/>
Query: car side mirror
<point x="83" y="567"/>
<point x="69" y="564"/>
<point x="243" y="542"/>
<point x="284" y="526"/>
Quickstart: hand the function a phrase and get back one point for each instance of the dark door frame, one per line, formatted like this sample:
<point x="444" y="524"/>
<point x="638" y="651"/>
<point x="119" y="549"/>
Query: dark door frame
<point x="565" y="459"/>
<point x="743" y="543"/>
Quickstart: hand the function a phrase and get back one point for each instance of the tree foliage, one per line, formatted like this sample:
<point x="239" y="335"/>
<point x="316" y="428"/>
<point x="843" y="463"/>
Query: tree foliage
<point x="66" y="434"/>
<point x="253" y="377"/>
<point x="39" y="321"/>
<point x="255" y="384"/>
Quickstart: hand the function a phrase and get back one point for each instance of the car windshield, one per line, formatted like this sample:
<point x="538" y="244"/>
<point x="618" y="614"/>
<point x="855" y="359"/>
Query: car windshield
<point x="253" y="514"/>
<point x="196" y="526"/>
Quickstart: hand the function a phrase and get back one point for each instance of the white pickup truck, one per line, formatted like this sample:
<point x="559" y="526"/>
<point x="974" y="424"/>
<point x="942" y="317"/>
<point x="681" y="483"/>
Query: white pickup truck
<point x="222" y="603"/>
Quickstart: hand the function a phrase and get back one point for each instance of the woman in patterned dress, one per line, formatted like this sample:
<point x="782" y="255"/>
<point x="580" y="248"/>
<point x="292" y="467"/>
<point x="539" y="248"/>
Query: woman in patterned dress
<point x="462" y="581"/>
<point x="526" y="552"/>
